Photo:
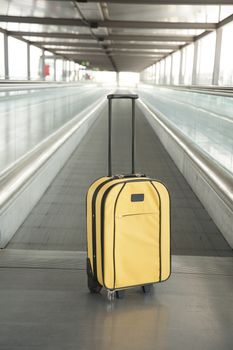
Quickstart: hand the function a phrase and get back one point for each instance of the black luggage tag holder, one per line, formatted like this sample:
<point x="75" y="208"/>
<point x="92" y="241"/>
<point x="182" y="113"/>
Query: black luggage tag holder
<point x="137" y="197"/>
<point x="110" y="97"/>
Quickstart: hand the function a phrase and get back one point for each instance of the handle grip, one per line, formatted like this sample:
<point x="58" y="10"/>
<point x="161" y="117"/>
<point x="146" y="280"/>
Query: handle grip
<point x="125" y="96"/>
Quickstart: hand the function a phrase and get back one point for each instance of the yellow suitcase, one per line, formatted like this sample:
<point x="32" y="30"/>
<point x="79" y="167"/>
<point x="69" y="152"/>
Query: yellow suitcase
<point x="128" y="228"/>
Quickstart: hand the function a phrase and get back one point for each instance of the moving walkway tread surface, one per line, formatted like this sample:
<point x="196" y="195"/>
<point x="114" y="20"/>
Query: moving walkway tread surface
<point x="44" y="300"/>
<point x="58" y="220"/>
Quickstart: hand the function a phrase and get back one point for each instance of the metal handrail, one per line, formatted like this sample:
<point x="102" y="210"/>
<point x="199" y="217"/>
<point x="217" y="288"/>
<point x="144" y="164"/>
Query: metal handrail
<point x="223" y="91"/>
<point x="221" y="181"/>
<point x="15" y="177"/>
<point x="6" y="87"/>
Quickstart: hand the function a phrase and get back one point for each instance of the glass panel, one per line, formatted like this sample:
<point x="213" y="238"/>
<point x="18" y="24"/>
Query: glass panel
<point x="59" y="69"/>
<point x="126" y="42"/>
<point x="67" y="70"/>
<point x="175" y="68"/>
<point x="226" y="59"/>
<point x="48" y="53"/>
<point x="17" y="67"/>
<point x="162" y="72"/>
<point x="151" y="73"/>
<point x="29" y="116"/>
<point x="52" y="40"/>
<point x="207" y="120"/>
<point x="35" y="63"/>
<point x="144" y="75"/>
<point x="225" y="11"/>
<point x="157" y="74"/>
<point x="187" y="65"/>
<point x="2" y="58"/>
<point x="104" y="77"/>
<point x="72" y="70"/>
<point x="128" y="79"/>
<point x="154" y="73"/>
<point x="49" y="66"/>
<point x="144" y="12"/>
<point x="64" y="72"/>
<point x="29" y="27"/>
<point x="205" y="59"/>
<point x="38" y="8"/>
<point x="167" y="70"/>
<point x="136" y="31"/>
<point x="76" y="71"/>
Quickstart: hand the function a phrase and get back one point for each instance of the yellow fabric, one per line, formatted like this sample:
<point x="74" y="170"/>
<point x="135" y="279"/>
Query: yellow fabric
<point x="109" y="236"/>
<point x="137" y="250"/>
<point x="165" y="230"/>
<point x="90" y="193"/>
<point x="98" y="227"/>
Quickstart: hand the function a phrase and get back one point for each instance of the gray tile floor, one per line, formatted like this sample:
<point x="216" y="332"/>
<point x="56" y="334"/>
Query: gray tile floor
<point x="58" y="220"/>
<point x="44" y="301"/>
<point x="51" y="309"/>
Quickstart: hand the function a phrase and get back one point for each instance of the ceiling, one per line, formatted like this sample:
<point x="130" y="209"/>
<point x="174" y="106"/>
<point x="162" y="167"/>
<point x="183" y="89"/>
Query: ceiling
<point x="121" y="35"/>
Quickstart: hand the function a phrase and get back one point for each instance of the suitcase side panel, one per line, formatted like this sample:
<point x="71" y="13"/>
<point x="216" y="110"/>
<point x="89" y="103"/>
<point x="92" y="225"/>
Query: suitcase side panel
<point x="165" y="231"/>
<point x="89" y="197"/>
<point x="107" y="242"/>
<point x="98" y="227"/>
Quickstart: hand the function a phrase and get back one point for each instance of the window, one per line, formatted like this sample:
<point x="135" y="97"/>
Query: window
<point x="49" y="66"/>
<point x="66" y="70"/>
<point x="150" y="73"/>
<point x="72" y="71"/>
<point x="162" y="72"/>
<point x="105" y="77"/>
<point x="59" y="69"/>
<point x="76" y="71"/>
<point x="35" y="62"/>
<point x="2" y="58"/>
<point x="157" y="72"/>
<point x="17" y="68"/>
<point x="128" y="78"/>
<point x="187" y="65"/>
<point x="175" y="68"/>
<point x="154" y="73"/>
<point x="226" y="59"/>
<point x="167" y="70"/>
<point x="205" y="59"/>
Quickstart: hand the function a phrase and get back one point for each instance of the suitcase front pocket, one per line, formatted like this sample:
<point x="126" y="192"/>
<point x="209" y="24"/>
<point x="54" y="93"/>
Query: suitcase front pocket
<point x="136" y="251"/>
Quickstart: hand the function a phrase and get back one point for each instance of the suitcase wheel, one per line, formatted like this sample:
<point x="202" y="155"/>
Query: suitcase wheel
<point x="93" y="285"/>
<point x="111" y="295"/>
<point x="120" y="294"/>
<point x="147" y="288"/>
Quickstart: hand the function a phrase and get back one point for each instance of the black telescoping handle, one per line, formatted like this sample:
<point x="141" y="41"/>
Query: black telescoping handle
<point x="110" y="97"/>
<point x="126" y="96"/>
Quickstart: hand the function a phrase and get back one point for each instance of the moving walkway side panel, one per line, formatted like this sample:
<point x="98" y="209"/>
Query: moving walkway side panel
<point x="23" y="185"/>
<point x="212" y="185"/>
